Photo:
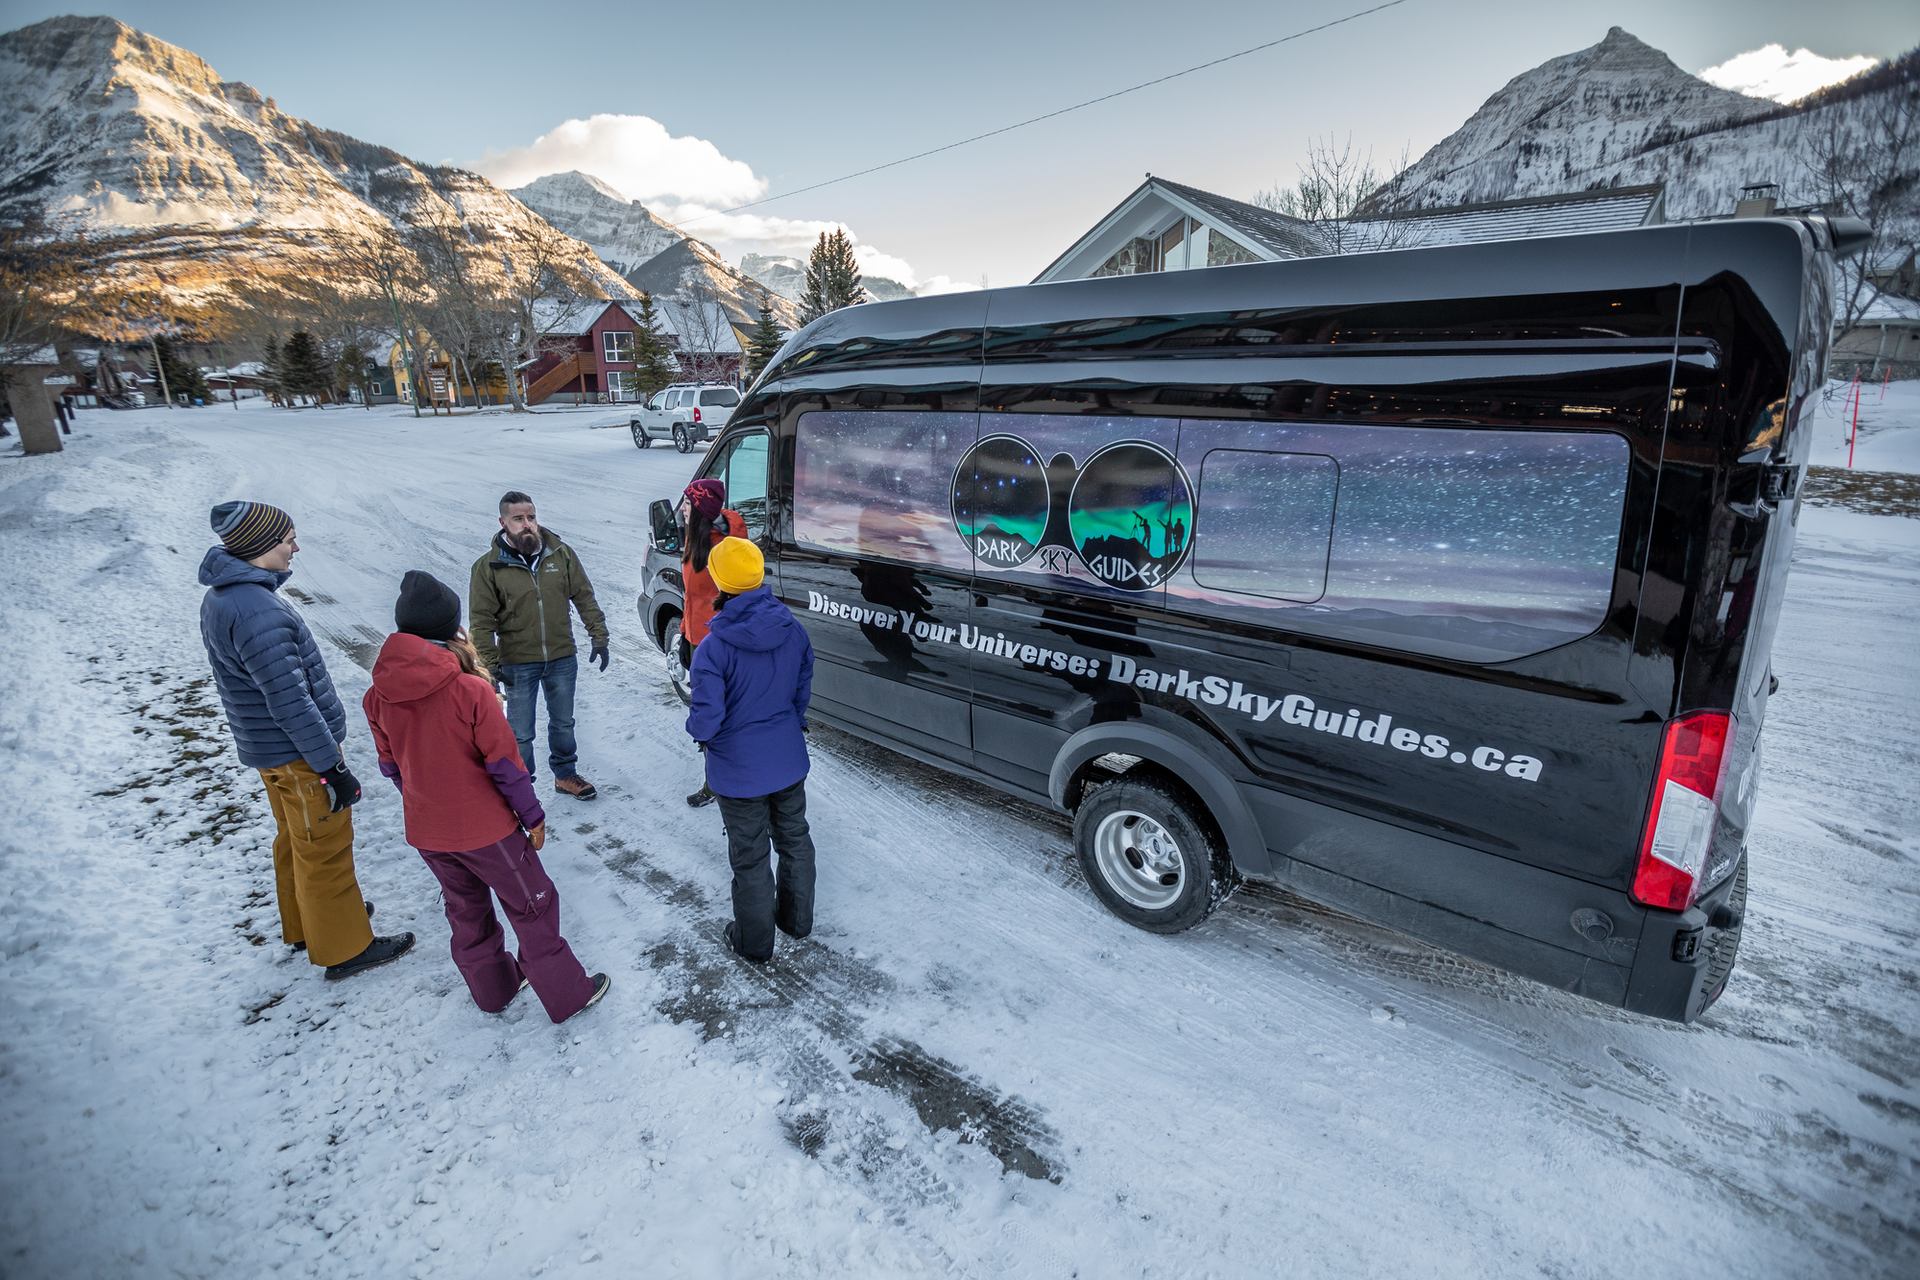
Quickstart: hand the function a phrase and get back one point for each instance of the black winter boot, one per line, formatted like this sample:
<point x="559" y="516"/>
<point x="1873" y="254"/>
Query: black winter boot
<point x="701" y="798"/>
<point x="380" y="951"/>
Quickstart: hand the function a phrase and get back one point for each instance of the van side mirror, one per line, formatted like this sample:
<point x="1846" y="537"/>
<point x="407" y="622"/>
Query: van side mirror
<point x="665" y="529"/>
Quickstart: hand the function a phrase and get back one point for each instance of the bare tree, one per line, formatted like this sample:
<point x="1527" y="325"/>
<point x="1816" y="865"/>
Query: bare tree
<point x="1863" y="161"/>
<point x="705" y="334"/>
<point x="545" y="288"/>
<point x="39" y="283"/>
<point x="383" y="266"/>
<point x="1338" y="195"/>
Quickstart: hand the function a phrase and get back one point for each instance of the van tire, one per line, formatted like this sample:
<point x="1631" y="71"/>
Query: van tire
<point x="681" y="440"/>
<point x="640" y="437"/>
<point x="669" y="639"/>
<point x="1126" y="830"/>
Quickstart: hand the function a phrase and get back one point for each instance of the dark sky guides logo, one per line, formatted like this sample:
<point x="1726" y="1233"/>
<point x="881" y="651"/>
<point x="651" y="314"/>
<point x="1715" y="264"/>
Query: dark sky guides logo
<point x="1131" y="515"/>
<point x="1129" y="510"/>
<point x="1000" y="501"/>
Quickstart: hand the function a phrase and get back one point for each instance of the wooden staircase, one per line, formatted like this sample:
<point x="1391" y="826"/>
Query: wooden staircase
<point x="572" y="366"/>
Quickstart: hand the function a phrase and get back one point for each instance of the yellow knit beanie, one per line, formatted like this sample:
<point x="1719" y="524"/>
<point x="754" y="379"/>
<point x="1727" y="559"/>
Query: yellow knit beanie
<point x="736" y="566"/>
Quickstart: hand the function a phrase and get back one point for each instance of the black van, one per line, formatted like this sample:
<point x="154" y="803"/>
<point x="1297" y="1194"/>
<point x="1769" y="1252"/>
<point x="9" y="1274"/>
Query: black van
<point x="1435" y="585"/>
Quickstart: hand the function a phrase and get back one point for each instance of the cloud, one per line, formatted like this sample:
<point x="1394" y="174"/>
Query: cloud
<point x="687" y="181"/>
<point x="1771" y="72"/>
<point x="633" y="154"/>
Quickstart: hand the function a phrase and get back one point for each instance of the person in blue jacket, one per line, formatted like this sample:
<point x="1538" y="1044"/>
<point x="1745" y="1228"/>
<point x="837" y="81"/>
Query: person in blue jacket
<point x="752" y="677"/>
<point x="289" y="724"/>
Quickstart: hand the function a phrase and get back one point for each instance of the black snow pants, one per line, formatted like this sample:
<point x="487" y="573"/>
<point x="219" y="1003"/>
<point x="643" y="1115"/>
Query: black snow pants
<point x="760" y="898"/>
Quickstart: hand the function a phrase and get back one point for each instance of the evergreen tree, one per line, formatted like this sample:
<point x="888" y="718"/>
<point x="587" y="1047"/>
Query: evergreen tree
<point x="272" y="379"/>
<point x="305" y="370"/>
<point x="764" y="342"/>
<point x="833" y="281"/>
<point x="350" y="373"/>
<point x="183" y="376"/>
<point x="653" y="364"/>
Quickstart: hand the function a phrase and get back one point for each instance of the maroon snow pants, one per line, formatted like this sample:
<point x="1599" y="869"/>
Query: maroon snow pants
<point x="509" y="870"/>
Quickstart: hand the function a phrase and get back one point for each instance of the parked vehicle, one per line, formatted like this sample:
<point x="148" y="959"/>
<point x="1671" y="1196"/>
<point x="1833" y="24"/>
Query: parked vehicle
<point x="1436" y="585"/>
<point x="686" y="413"/>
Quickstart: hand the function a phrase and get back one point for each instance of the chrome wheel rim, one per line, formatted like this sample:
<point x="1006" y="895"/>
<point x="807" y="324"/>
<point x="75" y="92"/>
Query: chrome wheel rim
<point x="676" y="672"/>
<point x="1139" y="859"/>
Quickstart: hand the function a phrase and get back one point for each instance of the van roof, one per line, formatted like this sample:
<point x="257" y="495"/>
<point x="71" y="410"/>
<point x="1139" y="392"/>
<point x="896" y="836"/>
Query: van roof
<point x="1770" y="254"/>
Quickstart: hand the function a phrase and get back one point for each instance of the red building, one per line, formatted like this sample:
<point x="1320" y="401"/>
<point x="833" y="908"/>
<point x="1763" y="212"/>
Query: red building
<point x="588" y="355"/>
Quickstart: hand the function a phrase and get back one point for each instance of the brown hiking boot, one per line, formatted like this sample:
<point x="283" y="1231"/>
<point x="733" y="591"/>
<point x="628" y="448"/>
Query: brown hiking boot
<point x="576" y="786"/>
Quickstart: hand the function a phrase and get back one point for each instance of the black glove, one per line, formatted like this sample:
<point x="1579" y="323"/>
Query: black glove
<point x="598" y="654"/>
<point x="343" y="789"/>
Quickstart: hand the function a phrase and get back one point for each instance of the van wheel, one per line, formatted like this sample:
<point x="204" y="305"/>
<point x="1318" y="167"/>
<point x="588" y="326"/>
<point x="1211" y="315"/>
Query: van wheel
<point x="681" y="440"/>
<point x="640" y="437"/>
<point x="676" y="669"/>
<point x="1148" y="855"/>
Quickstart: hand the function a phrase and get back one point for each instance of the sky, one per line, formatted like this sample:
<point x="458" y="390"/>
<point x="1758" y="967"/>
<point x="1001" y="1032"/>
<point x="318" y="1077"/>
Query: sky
<point x="695" y="109"/>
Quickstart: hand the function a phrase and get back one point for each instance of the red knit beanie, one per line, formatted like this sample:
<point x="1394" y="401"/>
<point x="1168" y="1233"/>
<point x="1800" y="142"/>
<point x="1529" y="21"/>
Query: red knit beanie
<point x="706" y="497"/>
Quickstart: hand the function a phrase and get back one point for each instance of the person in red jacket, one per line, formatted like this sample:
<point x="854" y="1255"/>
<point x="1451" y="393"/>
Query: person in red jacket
<point x="469" y="804"/>
<point x="708" y="519"/>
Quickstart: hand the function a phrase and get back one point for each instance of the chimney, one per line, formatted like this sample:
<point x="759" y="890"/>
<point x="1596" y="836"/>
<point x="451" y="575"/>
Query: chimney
<point x="1758" y="200"/>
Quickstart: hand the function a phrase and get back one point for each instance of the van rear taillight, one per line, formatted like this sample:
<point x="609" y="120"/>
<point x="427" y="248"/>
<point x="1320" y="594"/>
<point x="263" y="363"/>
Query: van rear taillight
<point x="1686" y="802"/>
<point x="696" y="415"/>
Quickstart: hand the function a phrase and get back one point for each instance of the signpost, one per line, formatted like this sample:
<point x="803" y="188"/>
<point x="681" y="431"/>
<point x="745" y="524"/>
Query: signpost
<point x="440" y="386"/>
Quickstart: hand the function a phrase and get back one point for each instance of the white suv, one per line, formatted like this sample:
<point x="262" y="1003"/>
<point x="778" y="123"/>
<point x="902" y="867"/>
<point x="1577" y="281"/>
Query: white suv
<point x="686" y="413"/>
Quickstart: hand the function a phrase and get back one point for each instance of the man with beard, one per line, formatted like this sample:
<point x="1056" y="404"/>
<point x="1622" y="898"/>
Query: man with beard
<point x="517" y="617"/>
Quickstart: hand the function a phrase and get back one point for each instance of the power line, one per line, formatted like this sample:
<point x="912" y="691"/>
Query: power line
<point x="1021" y="124"/>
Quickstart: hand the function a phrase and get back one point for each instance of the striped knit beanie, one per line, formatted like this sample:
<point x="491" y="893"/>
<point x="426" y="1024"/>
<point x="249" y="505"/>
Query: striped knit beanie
<point x="249" y="529"/>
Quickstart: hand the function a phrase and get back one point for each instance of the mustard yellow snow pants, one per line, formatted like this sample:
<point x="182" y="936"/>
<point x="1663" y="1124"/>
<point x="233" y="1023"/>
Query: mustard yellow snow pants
<point x="320" y="902"/>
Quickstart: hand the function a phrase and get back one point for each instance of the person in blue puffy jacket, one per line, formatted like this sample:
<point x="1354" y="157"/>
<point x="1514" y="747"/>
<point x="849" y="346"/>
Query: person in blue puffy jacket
<point x="752" y="677"/>
<point x="289" y="724"/>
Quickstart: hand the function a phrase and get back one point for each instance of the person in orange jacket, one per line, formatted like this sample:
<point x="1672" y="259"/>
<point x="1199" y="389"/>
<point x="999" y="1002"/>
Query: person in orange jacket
<point x="708" y="520"/>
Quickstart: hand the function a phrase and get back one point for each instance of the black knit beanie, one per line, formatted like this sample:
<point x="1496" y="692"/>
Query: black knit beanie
<point x="249" y="529"/>
<point x="427" y="607"/>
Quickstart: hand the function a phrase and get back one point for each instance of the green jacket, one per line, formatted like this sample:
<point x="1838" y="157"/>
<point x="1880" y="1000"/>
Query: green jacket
<point x="517" y="614"/>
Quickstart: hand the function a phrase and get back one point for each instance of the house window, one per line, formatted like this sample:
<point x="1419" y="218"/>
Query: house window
<point x="617" y="346"/>
<point x="622" y="386"/>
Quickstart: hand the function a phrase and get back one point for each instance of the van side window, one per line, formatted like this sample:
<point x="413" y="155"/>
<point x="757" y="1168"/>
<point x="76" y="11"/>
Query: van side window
<point x="1467" y="543"/>
<point x="879" y="483"/>
<point x="743" y="468"/>
<point x="1269" y="523"/>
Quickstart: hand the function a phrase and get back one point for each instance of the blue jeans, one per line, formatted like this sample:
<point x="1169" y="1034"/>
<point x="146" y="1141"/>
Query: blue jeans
<point x="525" y="681"/>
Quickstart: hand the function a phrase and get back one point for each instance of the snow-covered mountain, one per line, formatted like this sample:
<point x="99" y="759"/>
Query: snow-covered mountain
<point x="1620" y="113"/>
<point x="195" y="181"/>
<point x="788" y="278"/>
<point x="692" y="270"/>
<point x="623" y="232"/>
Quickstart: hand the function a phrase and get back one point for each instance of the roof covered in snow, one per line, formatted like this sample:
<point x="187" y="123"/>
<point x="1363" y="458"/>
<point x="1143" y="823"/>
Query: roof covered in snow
<point x="1573" y="214"/>
<point x="1274" y="237"/>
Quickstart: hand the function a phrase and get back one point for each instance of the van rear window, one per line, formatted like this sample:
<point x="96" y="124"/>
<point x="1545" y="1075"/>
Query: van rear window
<point x="719" y="398"/>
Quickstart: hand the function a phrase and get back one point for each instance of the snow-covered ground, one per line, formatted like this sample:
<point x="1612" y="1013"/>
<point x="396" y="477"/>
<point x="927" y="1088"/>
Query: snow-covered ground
<point x="1889" y="430"/>
<point x="972" y="1069"/>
